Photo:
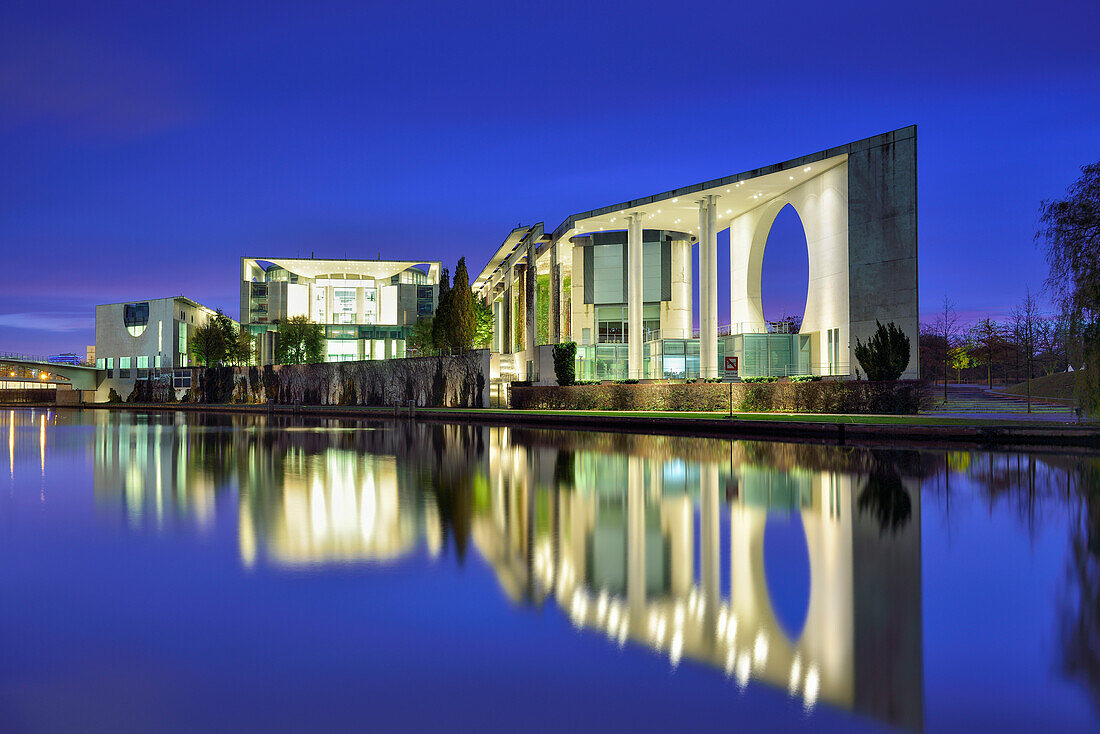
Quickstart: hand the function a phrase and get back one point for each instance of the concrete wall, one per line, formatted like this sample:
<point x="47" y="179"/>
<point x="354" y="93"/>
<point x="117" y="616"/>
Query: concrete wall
<point x="882" y="238"/>
<point x="168" y="317"/>
<point x="822" y="205"/>
<point x="860" y="221"/>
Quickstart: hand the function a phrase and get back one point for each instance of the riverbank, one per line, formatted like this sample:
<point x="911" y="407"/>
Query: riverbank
<point x="870" y="430"/>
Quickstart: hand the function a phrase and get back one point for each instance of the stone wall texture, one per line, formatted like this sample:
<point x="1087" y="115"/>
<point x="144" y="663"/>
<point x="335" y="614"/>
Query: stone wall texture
<point x="460" y="381"/>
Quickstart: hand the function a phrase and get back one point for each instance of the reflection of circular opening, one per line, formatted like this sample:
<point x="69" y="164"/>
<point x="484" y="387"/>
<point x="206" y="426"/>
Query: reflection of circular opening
<point x="787" y="571"/>
<point x="136" y="330"/>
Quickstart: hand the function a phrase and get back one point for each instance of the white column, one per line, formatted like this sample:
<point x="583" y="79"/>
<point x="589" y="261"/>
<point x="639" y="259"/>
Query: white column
<point x="634" y="295"/>
<point x="708" y="287"/>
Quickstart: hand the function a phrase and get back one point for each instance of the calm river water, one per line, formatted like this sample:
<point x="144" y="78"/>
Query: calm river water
<point x="214" y="573"/>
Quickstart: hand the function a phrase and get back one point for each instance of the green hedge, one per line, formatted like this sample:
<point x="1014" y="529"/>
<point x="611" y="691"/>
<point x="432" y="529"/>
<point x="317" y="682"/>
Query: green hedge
<point x="850" y="396"/>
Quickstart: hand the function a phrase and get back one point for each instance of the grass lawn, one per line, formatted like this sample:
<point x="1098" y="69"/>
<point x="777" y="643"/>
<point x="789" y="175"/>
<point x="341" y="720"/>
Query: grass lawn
<point x="1059" y="387"/>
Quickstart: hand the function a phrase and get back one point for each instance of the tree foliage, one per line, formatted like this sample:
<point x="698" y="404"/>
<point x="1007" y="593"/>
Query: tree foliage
<point x="219" y="341"/>
<point x="565" y="365"/>
<point x="455" y="325"/>
<point x="207" y="345"/>
<point x="1069" y="228"/>
<point x="484" y="322"/>
<point x="420" y="337"/>
<point x="886" y="354"/>
<point x="460" y="317"/>
<point x="299" y="341"/>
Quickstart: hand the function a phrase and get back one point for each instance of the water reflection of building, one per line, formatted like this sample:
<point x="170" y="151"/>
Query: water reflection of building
<point x="156" y="467"/>
<point x="303" y="496"/>
<point x="679" y="556"/>
<point x="337" y="505"/>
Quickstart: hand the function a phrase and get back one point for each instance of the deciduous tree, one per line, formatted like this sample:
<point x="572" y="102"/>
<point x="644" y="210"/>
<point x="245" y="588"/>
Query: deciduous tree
<point x="1069" y="229"/>
<point x="299" y="341"/>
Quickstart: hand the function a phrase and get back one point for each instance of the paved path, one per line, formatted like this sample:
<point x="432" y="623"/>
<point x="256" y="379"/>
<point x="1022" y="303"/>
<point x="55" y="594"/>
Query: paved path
<point x="978" y="401"/>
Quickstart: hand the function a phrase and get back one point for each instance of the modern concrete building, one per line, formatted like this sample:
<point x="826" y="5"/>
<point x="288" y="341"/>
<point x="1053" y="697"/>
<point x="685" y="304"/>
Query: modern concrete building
<point x="366" y="306"/>
<point x="140" y="339"/>
<point x="618" y="279"/>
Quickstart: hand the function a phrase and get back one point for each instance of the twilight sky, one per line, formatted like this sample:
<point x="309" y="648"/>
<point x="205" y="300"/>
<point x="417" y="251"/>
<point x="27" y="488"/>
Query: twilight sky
<point x="144" y="148"/>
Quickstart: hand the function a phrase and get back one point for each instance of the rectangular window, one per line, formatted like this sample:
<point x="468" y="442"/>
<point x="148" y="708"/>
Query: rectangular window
<point x="143" y="362"/>
<point x="100" y="364"/>
<point x="123" y="366"/>
<point x="607" y="273"/>
<point x="343" y="305"/>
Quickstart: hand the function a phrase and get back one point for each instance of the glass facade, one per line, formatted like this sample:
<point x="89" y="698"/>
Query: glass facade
<point x="613" y="323"/>
<point x="769" y="355"/>
<point x="343" y="306"/>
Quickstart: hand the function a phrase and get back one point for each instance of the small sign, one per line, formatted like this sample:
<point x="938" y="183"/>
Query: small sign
<point x="731" y="366"/>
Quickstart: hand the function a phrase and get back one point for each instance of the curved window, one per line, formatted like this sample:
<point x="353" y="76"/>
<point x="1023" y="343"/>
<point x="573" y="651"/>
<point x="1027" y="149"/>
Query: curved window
<point x="136" y="317"/>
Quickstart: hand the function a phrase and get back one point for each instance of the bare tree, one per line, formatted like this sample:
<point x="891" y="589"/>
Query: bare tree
<point x="987" y="338"/>
<point x="1029" y="316"/>
<point x="947" y="329"/>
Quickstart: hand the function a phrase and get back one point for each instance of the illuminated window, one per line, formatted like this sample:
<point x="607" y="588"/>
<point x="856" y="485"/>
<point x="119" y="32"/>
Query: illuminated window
<point x="136" y="317"/>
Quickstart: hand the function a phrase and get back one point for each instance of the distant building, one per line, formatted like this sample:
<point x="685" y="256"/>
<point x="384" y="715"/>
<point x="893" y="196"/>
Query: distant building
<point x="367" y="307"/>
<point x="64" y="358"/>
<point x="139" y="339"/>
<point x="91" y="355"/>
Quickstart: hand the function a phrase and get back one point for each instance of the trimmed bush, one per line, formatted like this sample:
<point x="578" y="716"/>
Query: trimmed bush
<point x="805" y="378"/>
<point x="896" y="397"/>
<point x="886" y="354"/>
<point x="761" y="379"/>
<point x="565" y="365"/>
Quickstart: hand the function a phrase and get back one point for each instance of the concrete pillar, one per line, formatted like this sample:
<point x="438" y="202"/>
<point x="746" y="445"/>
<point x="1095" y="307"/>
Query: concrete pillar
<point x="507" y="332"/>
<point x="555" y="296"/>
<point x="634" y="295"/>
<point x="708" y="287"/>
<point x="531" y="305"/>
<point x="518" y="344"/>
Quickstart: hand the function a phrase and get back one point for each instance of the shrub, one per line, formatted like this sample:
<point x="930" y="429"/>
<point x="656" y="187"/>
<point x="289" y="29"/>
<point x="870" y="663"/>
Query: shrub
<point x="900" y="397"/>
<point x="886" y="354"/>
<point x="628" y="381"/>
<point x="565" y="365"/>
<point x="113" y="396"/>
<point x="805" y="378"/>
<point x="763" y="378"/>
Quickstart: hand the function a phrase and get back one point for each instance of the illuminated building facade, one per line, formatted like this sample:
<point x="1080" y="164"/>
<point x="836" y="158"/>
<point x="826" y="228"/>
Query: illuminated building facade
<point x="367" y="307"/>
<point x="142" y="339"/>
<point x="618" y="280"/>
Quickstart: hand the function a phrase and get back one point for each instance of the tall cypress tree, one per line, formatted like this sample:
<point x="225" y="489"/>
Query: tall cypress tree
<point x="460" y="328"/>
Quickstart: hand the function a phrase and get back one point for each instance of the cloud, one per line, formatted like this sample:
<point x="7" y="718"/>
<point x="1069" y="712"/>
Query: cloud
<point x="61" y="322"/>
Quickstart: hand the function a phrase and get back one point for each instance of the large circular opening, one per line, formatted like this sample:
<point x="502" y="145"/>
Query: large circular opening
<point x="785" y="270"/>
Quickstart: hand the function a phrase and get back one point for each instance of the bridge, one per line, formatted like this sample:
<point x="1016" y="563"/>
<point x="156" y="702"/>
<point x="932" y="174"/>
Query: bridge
<point x="42" y="371"/>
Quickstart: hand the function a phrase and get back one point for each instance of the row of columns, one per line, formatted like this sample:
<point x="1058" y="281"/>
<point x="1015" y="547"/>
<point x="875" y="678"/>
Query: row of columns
<point x="526" y="274"/>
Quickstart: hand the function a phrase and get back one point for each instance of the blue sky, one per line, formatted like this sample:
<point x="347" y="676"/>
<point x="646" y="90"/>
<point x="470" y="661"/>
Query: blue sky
<point x="145" y="147"/>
